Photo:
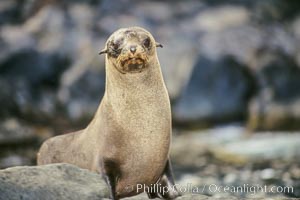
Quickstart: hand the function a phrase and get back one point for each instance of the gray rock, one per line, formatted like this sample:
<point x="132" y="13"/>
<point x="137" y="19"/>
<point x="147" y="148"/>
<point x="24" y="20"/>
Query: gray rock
<point x="276" y="107"/>
<point x="229" y="143"/>
<point x="241" y="42"/>
<point x="19" y="142"/>
<point x="296" y="27"/>
<point x="270" y="10"/>
<point x="217" y="91"/>
<point x="184" y="146"/>
<point x="263" y="145"/>
<point x="12" y="132"/>
<point x="29" y="80"/>
<point x="109" y="24"/>
<point x="59" y="181"/>
<point x="34" y="67"/>
<point x="176" y="63"/>
<point x="14" y="39"/>
<point x="268" y="174"/>
<point x="13" y="160"/>
<point x="44" y="59"/>
<point x="7" y="11"/>
<point x="156" y="12"/>
<point x="219" y="18"/>
<point x="82" y="97"/>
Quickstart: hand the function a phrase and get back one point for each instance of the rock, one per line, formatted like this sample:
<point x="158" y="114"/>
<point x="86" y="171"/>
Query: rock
<point x="277" y="105"/>
<point x="109" y="25"/>
<point x="14" y="39"/>
<point x="81" y="98"/>
<point x="230" y="144"/>
<point x="8" y="98"/>
<point x="296" y="27"/>
<point x="13" y="160"/>
<point x="19" y="142"/>
<point x="11" y="12"/>
<point x="240" y="42"/>
<point x="275" y="10"/>
<point x="12" y="132"/>
<point x="266" y="11"/>
<point x="49" y="43"/>
<point x="29" y="80"/>
<point x="282" y="145"/>
<point x="218" y="91"/>
<point x="50" y="27"/>
<point x="82" y="15"/>
<point x="34" y="67"/>
<point x="217" y="19"/>
<point x="268" y="174"/>
<point x="58" y="181"/>
<point x="295" y="172"/>
<point x="230" y="178"/>
<point x="206" y="142"/>
<point x="7" y="11"/>
<point x="156" y="12"/>
<point x="177" y="70"/>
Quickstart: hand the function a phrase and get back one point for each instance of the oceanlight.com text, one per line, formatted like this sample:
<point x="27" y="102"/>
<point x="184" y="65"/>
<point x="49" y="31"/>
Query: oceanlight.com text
<point x="214" y="188"/>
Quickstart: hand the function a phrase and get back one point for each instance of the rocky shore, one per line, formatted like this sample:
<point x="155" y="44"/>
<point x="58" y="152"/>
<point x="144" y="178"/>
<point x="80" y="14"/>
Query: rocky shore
<point x="63" y="181"/>
<point x="232" y="69"/>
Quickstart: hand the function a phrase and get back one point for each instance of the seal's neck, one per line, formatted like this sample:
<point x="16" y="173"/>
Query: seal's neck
<point x="142" y="96"/>
<point x="120" y="86"/>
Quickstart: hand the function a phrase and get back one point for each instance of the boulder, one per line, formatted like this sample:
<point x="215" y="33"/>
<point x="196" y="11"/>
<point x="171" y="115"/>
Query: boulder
<point x="277" y="105"/>
<point x="218" y="91"/>
<point x="19" y="142"/>
<point x="59" y="181"/>
<point x="29" y="80"/>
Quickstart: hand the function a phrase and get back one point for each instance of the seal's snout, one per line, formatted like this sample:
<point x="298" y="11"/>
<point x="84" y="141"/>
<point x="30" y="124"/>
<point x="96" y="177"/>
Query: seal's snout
<point x="132" y="59"/>
<point x="133" y="64"/>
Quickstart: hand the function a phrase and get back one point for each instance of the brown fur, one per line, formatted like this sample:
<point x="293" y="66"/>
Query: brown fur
<point x="132" y="126"/>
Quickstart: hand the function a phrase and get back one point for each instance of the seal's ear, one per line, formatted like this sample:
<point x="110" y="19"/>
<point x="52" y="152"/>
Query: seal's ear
<point x="158" y="45"/>
<point x="103" y="51"/>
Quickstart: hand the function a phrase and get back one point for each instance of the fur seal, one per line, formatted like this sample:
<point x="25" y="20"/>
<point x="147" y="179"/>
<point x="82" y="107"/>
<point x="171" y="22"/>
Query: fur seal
<point x="128" y="140"/>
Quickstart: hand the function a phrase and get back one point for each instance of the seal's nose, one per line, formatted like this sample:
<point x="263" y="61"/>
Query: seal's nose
<point x="133" y="49"/>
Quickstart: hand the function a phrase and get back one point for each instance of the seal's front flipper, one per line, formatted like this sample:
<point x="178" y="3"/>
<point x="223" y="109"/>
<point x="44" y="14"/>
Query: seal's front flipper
<point x="166" y="184"/>
<point x="110" y="174"/>
<point x="111" y="183"/>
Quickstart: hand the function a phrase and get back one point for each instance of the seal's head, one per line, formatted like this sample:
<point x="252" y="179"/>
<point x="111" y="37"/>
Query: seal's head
<point x="129" y="49"/>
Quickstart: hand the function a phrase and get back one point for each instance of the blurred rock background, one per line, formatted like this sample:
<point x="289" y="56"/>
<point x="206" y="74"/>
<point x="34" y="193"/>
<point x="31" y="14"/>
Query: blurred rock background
<point x="232" y="69"/>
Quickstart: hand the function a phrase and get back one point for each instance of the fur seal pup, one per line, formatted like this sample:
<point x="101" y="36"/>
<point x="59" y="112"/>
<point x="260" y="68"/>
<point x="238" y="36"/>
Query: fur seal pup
<point x="128" y="139"/>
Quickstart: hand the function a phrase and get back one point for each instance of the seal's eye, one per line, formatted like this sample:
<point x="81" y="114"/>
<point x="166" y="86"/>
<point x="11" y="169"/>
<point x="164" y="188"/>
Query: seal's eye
<point x="116" y="45"/>
<point x="115" y="48"/>
<point x="146" y="42"/>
